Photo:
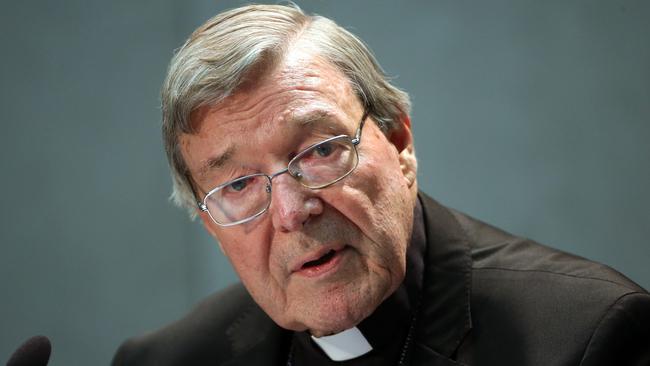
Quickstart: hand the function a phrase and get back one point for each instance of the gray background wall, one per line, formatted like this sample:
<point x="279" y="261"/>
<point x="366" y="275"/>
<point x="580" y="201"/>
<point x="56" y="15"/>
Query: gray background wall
<point x="531" y="115"/>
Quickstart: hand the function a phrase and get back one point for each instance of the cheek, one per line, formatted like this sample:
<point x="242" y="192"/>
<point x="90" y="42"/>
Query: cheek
<point x="248" y="257"/>
<point x="253" y="271"/>
<point x="382" y="187"/>
<point x="376" y="198"/>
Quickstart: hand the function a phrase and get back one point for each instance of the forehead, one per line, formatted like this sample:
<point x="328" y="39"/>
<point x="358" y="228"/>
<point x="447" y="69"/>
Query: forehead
<point x="302" y="82"/>
<point x="301" y="89"/>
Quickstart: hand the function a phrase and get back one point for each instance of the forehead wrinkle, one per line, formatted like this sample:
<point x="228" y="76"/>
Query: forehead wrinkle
<point x="298" y="86"/>
<point x="321" y="115"/>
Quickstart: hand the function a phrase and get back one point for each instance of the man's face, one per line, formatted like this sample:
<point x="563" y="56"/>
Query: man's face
<point x="322" y="259"/>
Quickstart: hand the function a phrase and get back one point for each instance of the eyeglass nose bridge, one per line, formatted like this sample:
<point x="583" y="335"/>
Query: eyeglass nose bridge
<point x="296" y="175"/>
<point x="285" y="170"/>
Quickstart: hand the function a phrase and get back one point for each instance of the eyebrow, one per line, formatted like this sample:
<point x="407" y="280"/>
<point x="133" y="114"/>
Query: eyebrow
<point x="308" y="118"/>
<point x="217" y="162"/>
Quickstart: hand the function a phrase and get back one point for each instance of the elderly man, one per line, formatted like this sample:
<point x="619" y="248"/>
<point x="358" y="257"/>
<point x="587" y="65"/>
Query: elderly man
<point x="287" y="140"/>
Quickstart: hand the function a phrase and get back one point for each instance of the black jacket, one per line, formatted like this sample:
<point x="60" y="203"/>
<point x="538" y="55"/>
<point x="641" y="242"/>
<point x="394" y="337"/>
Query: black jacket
<point x="489" y="298"/>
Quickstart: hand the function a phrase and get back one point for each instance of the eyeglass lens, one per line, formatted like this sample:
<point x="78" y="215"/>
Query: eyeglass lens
<point x="316" y="167"/>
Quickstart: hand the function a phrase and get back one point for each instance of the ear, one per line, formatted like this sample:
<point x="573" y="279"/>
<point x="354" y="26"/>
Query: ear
<point x="209" y="226"/>
<point x="402" y="138"/>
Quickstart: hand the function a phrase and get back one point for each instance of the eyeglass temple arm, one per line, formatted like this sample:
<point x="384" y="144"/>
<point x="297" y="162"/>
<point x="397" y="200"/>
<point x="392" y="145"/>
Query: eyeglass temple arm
<point x="357" y="135"/>
<point x="200" y="204"/>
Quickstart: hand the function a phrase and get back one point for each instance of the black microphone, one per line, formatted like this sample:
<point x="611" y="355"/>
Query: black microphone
<point x="34" y="352"/>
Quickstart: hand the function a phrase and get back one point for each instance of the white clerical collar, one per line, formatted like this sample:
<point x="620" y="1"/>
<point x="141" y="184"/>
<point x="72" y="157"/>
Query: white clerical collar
<point x="344" y="346"/>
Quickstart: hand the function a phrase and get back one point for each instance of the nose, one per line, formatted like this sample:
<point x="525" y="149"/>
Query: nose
<point x="292" y="205"/>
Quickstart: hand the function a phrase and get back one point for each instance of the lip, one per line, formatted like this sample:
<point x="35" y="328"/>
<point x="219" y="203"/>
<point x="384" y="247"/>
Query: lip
<point x="319" y="269"/>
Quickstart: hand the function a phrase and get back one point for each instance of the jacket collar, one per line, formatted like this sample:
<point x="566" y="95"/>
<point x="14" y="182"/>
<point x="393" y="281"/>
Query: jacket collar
<point x="444" y="318"/>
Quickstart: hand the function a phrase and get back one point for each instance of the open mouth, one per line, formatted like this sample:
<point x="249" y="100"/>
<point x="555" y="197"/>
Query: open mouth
<point x="322" y="260"/>
<point x="327" y="262"/>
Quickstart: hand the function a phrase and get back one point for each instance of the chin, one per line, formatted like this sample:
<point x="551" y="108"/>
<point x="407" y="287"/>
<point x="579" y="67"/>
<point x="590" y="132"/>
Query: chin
<point x="338" y="313"/>
<point x="335" y="323"/>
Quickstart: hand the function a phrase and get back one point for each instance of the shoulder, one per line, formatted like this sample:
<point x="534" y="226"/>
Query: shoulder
<point x="496" y="253"/>
<point x="217" y="329"/>
<point x="540" y="298"/>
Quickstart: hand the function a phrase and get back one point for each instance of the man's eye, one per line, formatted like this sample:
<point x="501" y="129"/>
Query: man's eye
<point x="324" y="150"/>
<point x="238" y="185"/>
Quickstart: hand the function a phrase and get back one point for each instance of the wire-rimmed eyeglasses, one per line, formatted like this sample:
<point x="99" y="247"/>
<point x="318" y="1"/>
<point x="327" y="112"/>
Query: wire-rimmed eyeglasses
<point x="318" y="166"/>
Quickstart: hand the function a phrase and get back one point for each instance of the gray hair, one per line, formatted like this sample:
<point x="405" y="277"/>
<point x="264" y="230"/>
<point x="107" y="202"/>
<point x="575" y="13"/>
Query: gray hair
<point x="220" y="54"/>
